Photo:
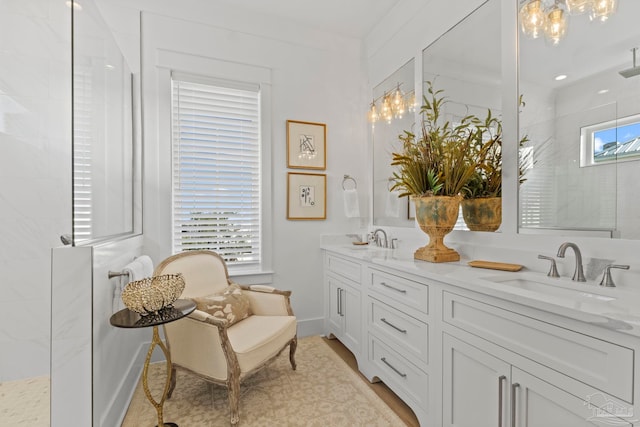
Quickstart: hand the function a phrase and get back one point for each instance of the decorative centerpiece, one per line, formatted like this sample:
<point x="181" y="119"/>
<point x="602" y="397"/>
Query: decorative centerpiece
<point x="152" y="294"/>
<point x="433" y="169"/>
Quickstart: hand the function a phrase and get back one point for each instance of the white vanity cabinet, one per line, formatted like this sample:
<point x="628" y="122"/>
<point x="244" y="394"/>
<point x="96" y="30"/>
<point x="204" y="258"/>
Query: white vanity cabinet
<point x="461" y="355"/>
<point x="481" y="390"/>
<point x="502" y="368"/>
<point x="343" y="302"/>
<point x="475" y="386"/>
<point x="397" y="324"/>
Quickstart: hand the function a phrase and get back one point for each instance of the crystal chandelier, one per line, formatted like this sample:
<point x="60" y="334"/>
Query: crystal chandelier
<point x="601" y="10"/>
<point x="538" y="18"/>
<point x="392" y="104"/>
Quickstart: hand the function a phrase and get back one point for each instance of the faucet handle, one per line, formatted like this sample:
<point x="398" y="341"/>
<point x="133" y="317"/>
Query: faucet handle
<point x="607" y="280"/>
<point x="553" y="271"/>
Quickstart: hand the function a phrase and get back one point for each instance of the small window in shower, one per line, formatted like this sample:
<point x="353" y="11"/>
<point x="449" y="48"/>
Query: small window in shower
<point x="610" y="141"/>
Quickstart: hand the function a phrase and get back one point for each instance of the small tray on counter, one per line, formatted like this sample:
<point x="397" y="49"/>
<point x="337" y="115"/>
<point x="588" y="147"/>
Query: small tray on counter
<point x="495" y="265"/>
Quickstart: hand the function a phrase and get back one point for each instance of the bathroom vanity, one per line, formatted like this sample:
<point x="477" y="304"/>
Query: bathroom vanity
<point x="473" y="347"/>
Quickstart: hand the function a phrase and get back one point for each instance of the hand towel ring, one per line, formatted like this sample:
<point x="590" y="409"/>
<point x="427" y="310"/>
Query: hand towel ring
<point x="347" y="178"/>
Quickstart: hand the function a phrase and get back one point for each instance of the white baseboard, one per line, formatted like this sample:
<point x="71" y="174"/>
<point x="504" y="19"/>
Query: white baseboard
<point x="309" y="327"/>
<point x="117" y="408"/>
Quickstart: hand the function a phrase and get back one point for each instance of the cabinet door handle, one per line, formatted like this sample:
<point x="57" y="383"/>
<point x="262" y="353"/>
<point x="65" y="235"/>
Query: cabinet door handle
<point x="501" y="380"/>
<point x="514" y="403"/>
<point x="402" y="291"/>
<point x="339" y="301"/>
<point x="402" y="374"/>
<point x="385" y="321"/>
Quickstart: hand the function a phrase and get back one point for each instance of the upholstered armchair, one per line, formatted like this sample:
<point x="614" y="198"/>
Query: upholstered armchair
<point x="208" y="343"/>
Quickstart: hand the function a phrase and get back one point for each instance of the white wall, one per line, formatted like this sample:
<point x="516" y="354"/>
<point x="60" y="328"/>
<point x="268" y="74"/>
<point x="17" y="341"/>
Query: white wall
<point x="404" y="33"/>
<point x="35" y="177"/>
<point x="316" y="76"/>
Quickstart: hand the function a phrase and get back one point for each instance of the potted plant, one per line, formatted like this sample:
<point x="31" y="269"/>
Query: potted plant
<point x="433" y="168"/>
<point x="482" y="204"/>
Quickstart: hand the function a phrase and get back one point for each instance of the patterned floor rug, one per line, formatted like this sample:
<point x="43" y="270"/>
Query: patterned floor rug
<point x="322" y="392"/>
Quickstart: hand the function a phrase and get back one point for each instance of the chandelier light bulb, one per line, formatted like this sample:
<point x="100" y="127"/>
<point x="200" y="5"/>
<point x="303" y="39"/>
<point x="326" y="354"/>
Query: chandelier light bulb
<point x="397" y="104"/>
<point x="411" y="102"/>
<point x="578" y="7"/>
<point x="373" y="115"/>
<point x="601" y="10"/>
<point x="532" y="18"/>
<point x="556" y="25"/>
<point x="387" y="113"/>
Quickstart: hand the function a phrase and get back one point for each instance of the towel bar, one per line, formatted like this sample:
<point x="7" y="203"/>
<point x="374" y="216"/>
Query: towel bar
<point x="347" y="178"/>
<point x="113" y="274"/>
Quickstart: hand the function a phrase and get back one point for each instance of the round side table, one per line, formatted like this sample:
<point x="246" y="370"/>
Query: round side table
<point x="126" y="318"/>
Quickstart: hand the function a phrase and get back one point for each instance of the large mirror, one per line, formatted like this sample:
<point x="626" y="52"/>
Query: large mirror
<point x="106" y="140"/>
<point x="466" y="64"/>
<point x="388" y="209"/>
<point x="581" y="114"/>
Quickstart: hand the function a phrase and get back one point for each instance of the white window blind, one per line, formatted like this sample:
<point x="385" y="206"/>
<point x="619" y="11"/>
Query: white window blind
<point x="216" y="168"/>
<point x="82" y="152"/>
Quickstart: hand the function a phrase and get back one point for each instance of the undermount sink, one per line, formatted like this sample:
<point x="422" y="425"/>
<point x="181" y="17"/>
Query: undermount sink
<point x="555" y="287"/>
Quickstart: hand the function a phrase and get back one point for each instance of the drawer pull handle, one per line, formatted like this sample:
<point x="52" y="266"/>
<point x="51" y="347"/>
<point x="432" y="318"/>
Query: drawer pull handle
<point x="402" y="374"/>
<point x="385" y="321"/>
<point x="514" y="403"/>
<point x="402" y="291"/>
<point x="501" y="380"/>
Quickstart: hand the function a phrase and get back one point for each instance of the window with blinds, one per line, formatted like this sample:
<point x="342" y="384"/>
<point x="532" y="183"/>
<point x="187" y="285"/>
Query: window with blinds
<point x="82" y="153"/>
<point x="216" y="168"/>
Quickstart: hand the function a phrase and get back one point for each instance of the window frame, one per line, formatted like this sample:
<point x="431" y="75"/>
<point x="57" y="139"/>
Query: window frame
<point x="215" y="90"/>
<point x="169" y="62"/>
<point x="587" y="140"/>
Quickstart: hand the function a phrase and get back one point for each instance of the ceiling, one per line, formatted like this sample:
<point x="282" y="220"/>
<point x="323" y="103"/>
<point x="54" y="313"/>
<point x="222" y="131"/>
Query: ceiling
<point x="352" y="18"/>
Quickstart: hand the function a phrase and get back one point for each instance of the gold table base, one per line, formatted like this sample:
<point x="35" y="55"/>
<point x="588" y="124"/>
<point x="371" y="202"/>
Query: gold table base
<point x="156" y="341"/>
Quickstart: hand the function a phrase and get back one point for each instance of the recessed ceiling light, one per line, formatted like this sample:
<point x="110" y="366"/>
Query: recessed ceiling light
<point x="603" y="91"/>
<point x="560" y="77"/>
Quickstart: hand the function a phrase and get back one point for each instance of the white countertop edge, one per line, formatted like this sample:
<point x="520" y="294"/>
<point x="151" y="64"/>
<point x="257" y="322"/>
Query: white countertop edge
<point x="621" y="315"/>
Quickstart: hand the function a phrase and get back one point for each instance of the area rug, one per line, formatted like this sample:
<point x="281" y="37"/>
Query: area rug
<point x="322" y="392"/>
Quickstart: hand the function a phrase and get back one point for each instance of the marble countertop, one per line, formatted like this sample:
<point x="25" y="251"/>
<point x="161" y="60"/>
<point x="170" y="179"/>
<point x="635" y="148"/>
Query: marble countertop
<point x="611" y="308"/>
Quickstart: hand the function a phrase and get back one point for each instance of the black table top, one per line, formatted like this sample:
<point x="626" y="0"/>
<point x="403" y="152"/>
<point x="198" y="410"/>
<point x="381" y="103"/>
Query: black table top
<point x="126" y="318"/>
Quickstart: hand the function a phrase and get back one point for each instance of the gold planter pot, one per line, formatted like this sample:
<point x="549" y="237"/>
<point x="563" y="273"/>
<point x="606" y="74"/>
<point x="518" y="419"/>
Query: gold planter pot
<point x="483" y="214"/>
<point x="437" y="215"/>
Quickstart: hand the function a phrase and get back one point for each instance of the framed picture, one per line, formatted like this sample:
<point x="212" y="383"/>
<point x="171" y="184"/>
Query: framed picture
<point x="306" y="196"/>
<point x="306" y="145"/>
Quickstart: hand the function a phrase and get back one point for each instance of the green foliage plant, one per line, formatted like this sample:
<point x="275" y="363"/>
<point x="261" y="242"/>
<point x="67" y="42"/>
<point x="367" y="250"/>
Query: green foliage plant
<point x="487" y="152"/>
<point x="443" y="158"/>
<point x="486" y="180"/>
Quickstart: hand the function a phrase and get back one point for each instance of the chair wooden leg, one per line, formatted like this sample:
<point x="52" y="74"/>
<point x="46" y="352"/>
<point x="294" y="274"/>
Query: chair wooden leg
<point x="172" y="384"/>
<point x="292" y="352"/>
<point x="234" y="399"/>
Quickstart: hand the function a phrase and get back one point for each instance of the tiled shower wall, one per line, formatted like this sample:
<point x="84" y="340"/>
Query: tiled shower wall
<point x="35" y="179"/>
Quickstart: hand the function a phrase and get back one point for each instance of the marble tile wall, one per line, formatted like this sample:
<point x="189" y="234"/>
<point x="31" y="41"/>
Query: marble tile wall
<point x="35" y="178"/>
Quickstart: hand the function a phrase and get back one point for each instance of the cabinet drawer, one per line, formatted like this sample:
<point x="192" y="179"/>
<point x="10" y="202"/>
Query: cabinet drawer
<point x="394" y="326"/>
<point x="601" y="364"/>
<point x="404" y="378"/>
<point x="408" y="292"/>
<point x="343" y="267"/>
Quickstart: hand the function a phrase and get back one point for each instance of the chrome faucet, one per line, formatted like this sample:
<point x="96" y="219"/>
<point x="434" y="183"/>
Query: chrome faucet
<point x="377" y="238"/>
<point x="578" y="274"/>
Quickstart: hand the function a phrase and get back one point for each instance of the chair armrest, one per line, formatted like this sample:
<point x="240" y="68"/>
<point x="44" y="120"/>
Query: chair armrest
<point x="268" y="301"/>
<point x="205" y="317"/>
